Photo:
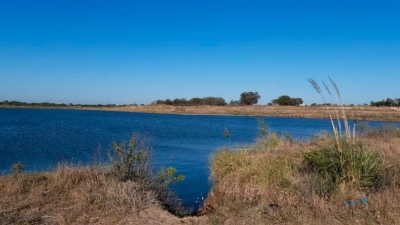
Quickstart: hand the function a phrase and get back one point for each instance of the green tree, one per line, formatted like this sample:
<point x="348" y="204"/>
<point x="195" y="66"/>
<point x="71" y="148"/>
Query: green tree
<point x="282" y="100"/>
<point x="390" y="102"/>
<point x="249" y="98"/>
<point x="196" y="101"/>
<point x="218" y="101"/>
<point x="213" y="101"/>
<point x="286" y="100"/>
<point x="168" y="101"/>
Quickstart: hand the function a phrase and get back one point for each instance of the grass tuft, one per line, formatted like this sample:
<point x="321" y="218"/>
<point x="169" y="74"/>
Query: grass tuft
<point x="361" y="168"/>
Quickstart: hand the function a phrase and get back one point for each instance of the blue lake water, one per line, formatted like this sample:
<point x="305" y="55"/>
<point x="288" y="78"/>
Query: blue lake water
<point x="42" y="138"/>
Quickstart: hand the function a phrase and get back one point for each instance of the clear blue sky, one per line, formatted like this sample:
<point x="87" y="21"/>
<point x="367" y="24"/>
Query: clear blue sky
<point x="122" y="52"/>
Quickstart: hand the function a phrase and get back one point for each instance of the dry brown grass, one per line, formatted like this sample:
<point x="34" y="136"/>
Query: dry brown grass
<point x="272" y="187"/>
<point x="353" y="113"/>
<point x="86" y="195"/>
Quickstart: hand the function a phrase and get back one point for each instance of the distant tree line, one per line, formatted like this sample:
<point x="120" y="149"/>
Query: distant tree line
<point x="324" y="104"/>
<point x="218" y="101"/>
<point x="388" y="102"/>
<point x="286" y="100"/>
<point x="50" y="104"/>
<point x="246" y="98"/>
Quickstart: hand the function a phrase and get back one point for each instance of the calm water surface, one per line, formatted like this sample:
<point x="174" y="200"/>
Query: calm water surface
<point x="41" y="138"/>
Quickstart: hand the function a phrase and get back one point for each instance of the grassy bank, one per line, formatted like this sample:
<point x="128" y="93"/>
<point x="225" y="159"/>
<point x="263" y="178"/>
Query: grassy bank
<point x="342" y="179"/>
<point x="273" y="182"/>
<point x="269" y="182"/>
<point x="125" y="191"/>
<point x="79" y="195"/>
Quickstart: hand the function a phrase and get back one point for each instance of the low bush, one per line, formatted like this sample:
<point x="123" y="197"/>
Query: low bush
<point x="130" y="162"/>
<point x="17" y="168"/>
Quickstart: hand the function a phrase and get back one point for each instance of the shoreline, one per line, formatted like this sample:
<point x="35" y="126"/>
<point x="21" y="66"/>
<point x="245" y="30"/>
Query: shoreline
<point x="364" y="113"/>
<point x="265" y="182"/>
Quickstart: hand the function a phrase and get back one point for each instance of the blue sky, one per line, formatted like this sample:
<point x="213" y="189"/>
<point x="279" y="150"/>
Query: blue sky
<point x="123" y="52"/>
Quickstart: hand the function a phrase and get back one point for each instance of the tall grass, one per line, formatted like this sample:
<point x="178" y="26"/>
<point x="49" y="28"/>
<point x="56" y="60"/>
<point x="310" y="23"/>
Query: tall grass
<point x="130" y="160"/>
<point x="346" y="161"/>
<point x="361" y="168"/>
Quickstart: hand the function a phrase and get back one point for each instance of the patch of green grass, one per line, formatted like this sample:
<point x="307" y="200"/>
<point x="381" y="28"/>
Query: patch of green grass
<point x="267" y="142"/>
<point x="226" y="162"/>
<point x="268" y="170"/>
<point x="354" y="166"/>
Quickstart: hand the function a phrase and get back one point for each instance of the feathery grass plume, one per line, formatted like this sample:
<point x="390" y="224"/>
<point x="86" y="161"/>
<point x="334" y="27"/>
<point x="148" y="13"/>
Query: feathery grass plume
<point x="316" y="86"/>
<point x="334" y="128"/>
<point x="336" y="111"/>
<point x="346" y="124"/>
<point x="345" y="143"/>
<point x="336" y="88"/>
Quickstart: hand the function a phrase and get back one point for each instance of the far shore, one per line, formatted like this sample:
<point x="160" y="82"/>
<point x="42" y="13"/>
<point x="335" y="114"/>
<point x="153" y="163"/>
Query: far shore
<point x="318" y="112"/>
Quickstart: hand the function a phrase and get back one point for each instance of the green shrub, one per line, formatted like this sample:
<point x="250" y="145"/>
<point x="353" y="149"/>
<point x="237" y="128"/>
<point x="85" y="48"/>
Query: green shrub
<point x="354" y="166"/>
<point x="17" y="168"/>
<point x="130" y="161"/>
<point x="262" y="126"/>
<point x="287" y="137"/>
<point x="161" y="183"/>
<point x="227" y="135"/>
